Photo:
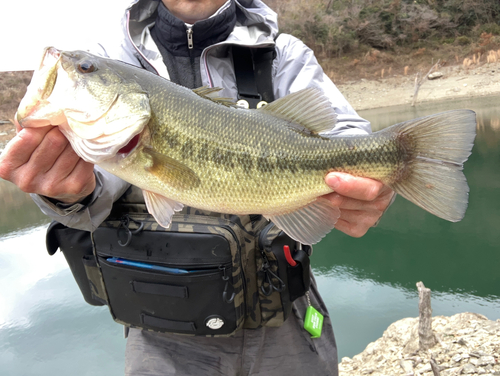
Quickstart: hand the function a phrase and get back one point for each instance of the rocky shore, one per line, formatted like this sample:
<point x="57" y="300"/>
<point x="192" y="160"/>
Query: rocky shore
<point x="468" y="344"/>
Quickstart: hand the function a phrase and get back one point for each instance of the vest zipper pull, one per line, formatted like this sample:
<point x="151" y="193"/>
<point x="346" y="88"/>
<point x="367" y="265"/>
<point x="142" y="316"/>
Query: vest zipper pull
<point x="225" y="277"/>
<point x="189" y="32"/>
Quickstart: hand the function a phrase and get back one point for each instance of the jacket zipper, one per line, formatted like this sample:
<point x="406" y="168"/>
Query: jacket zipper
<point x="189" y="32"/>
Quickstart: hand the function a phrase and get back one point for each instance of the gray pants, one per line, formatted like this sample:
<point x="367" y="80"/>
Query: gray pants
<point x="284" y="351"/>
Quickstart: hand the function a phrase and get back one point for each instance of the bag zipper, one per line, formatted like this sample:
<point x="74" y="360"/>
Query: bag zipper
<point x="235" y="237"/>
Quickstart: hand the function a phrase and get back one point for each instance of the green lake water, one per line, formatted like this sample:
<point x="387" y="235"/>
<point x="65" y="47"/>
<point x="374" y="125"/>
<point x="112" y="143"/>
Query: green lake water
<point x="367" y="283"/>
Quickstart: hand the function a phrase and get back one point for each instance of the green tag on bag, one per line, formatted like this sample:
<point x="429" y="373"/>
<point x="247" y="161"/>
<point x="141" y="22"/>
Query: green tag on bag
<point x="313" y="322"/>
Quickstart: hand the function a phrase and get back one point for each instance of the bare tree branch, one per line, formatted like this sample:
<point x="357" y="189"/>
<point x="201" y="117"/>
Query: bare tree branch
<point x="419" y="81"/>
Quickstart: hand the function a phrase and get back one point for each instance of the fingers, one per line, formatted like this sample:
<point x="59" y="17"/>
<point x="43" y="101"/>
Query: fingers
<point x="380" y="203"/>
<point x="41" y="161"/>
<point x="362" y="202"/>
<point x="19" y="150"/>
<point x="354" y="187"/>
<point x="351" y="229"/>
<point x="48" y="151"/>
<point x="79" y="183"/>
<point x="356" y="223"/>
<point x="67" y="177"/>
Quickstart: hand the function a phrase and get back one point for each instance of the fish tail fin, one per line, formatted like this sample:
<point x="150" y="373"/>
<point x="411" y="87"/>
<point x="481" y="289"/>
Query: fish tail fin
<point x="438" y="145"/>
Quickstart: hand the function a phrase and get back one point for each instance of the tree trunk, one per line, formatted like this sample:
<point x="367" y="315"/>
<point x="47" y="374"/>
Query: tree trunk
<point x="426" y="338"/>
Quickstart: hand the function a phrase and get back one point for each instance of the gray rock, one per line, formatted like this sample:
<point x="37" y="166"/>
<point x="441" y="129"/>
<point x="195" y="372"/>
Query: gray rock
<point x="469" y="368"/>
<point x="485" y="360"/>
<point x="407" y="366"/>
<point x="434" y="75"/>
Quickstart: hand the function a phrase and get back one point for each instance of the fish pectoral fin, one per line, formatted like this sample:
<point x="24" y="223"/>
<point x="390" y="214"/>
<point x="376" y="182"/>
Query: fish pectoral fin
<point x="308" y="110"/>
<point x="310" y="223"/>
<point x="171" y="171"/>
<point x="206" y="93"/>
<point x="161" y="207"/>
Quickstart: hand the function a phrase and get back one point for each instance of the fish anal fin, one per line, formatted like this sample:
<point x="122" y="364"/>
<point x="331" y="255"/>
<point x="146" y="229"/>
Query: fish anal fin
<point x="308" y="110"/>
<point x="161" y="207"/>
<point x="171" y="171"/>
<point x="309" y="224"/>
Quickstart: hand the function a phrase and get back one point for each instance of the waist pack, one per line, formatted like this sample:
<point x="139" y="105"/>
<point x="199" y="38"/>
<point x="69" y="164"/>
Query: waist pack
<point x="205" y="275"/>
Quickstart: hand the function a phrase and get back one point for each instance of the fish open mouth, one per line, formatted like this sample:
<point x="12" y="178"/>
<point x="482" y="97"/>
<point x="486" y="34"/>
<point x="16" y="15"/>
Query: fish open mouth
<point x="46" y="75"/>
<point x="34" y="110"/>
<point x="50" y="58"/>
<point x="132" y="144"/>
<point x="101" y="113"/>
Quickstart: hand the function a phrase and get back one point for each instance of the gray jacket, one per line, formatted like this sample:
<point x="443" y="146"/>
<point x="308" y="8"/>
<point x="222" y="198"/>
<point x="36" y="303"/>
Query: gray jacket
<point x="294" y="68"/>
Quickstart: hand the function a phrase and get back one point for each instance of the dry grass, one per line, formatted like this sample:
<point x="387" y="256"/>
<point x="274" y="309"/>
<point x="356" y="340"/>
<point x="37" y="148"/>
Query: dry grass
<point x="357" y="65"/>
<point x="356" y="39"/>
<point x="12" y="89"/>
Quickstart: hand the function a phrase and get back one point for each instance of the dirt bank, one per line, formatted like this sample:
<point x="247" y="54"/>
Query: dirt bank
<point x="398" y="90"/>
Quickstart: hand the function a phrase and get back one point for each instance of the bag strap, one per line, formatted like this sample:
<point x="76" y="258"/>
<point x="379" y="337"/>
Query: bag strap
<point x="253" y="71"/>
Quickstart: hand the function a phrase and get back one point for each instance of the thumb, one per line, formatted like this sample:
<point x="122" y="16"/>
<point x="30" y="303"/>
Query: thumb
<point x="353" y="186"/>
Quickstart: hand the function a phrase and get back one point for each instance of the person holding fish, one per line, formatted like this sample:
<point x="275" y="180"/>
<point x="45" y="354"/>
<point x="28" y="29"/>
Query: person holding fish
<point x="202" y="213"/>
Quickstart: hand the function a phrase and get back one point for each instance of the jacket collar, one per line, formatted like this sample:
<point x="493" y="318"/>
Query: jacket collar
<point x="175" y="35"/>
<point x="261" y="20"/>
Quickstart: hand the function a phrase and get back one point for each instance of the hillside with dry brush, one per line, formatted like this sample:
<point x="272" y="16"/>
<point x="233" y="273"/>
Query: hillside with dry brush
<point x="369" y="39"/>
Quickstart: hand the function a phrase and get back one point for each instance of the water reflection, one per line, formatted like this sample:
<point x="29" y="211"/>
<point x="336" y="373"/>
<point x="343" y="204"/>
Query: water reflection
<point x="17" y="210"/>
<point x="487" y="110"/>
<point x="44" y="323"/>
<point x="361" y="308"/>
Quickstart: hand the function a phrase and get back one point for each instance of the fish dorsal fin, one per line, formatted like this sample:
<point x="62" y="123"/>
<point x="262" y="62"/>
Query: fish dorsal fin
<point x="308" y="108"/>
<point x="161" y="207"/>
<point x="171" y="171"/>
<point x="206" y="93"/>
<point x="310" y="223"/>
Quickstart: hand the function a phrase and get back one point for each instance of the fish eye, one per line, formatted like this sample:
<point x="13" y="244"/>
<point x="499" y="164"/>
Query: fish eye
<point x="86" y="66"/>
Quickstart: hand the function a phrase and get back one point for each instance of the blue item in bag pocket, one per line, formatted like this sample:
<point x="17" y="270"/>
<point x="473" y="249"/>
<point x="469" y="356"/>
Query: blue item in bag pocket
<point x="144" y="265"/>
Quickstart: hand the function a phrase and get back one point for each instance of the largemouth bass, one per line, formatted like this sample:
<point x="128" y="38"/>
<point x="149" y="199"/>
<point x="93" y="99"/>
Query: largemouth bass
<point x="183" y="147"/>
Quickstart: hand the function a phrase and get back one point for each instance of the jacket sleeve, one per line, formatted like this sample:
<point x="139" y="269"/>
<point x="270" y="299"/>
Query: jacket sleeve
<point x="296" y="68"/>
<point x="90" y="213"/>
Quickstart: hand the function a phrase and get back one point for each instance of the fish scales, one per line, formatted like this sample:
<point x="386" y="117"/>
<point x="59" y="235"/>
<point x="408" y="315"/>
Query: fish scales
<point x="183" y="148"/>
<point x="205" y="148"/>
